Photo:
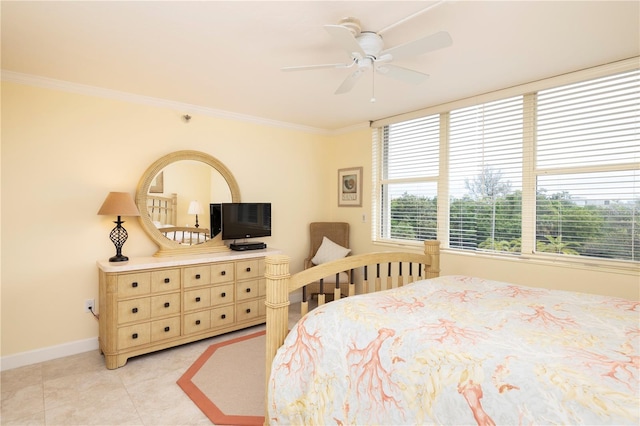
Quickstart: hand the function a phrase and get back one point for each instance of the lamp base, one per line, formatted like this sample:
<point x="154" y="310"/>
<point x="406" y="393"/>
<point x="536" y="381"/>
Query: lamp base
<point x="118" y="258"/>
<point x="118" y="236"/>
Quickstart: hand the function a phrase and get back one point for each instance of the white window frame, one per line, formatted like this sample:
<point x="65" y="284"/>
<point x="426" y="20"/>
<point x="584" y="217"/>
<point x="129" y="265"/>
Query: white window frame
<point x="529" y="172"/>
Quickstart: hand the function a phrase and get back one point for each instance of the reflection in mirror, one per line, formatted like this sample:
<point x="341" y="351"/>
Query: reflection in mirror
<point x="184" y="182"/>
<point x="169" y="191"/>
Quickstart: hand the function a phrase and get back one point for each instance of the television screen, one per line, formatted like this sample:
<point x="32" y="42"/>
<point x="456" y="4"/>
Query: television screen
<point x="245" y="220"/>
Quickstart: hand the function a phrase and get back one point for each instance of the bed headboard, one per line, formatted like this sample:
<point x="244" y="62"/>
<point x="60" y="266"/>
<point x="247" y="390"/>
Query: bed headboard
<point x="162" y="208"/>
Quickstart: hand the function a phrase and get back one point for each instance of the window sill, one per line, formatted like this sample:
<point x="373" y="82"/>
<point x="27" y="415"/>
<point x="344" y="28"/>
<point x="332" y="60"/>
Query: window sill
<point x="585" y="263"/>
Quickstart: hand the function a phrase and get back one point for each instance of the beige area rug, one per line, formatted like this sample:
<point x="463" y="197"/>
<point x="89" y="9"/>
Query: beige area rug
<point x="227" y="381"/>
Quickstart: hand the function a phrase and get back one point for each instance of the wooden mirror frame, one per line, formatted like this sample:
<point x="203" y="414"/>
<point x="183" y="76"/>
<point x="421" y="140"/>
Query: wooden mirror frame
<point x="167" y="247"/>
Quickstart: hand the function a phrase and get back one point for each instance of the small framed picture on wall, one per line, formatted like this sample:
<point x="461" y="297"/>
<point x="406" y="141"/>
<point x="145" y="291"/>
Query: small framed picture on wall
<point x="350" y="187"/>
<point x="157" y="184"/>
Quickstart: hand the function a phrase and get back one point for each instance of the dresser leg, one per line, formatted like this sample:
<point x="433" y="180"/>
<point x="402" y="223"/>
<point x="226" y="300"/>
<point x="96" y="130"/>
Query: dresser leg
<point x="115" y="361"/>
<point x="111" y="361"/>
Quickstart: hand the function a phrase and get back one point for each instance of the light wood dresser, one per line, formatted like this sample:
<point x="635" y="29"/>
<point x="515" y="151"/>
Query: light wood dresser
<point x="153" y="303"/>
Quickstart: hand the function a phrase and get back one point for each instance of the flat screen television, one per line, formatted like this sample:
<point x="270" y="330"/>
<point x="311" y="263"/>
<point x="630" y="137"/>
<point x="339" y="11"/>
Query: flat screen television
<point x="245" y="220"/>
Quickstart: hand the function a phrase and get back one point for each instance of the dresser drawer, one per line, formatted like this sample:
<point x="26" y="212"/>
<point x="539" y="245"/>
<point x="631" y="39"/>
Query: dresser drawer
<point x="134" y="310"/>
<point x="222" y="273"/>
<point x="197" y="322"/>
<point x="165" y="304"/>
<point x="165" y="280"/>
<point x="197" y="299"/>
<point x="130" y="285"/>
<point x="222" y="294"/>
<point x="197" y="275"/>
<point x="222" y="316"/>
<point x="134" y="335"/>
<point x="165" y="329"/>
<point x="247" y="290"/>
<point x="247" y="310"/>
<point x="247" y="269"/>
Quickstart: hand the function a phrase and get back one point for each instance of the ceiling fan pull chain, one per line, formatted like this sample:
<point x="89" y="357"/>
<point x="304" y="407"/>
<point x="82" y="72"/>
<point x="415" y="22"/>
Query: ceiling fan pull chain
<point x="373" y="85"/>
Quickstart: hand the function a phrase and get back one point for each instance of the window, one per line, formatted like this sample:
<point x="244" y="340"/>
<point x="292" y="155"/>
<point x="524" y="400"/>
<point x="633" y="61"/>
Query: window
<point x="485" y="176"/>
<point x="409" y="180"/>
<point x="588" y="183"/>
<point x="551" y="171"/>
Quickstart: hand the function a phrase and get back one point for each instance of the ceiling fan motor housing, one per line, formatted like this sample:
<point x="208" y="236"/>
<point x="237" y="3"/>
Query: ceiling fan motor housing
<point x="371" y="43"/>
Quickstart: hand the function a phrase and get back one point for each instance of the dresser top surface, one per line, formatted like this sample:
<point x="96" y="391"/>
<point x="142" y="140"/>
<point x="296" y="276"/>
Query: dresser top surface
<point x="150" y="262"/>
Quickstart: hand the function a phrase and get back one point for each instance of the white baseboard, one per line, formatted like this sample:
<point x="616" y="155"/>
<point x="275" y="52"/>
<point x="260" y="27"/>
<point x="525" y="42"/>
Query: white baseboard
<point x="46" y="354"/>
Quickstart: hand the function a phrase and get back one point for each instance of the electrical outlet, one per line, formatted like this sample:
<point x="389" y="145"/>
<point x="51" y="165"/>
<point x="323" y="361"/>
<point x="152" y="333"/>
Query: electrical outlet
<point x="90" y="305"/>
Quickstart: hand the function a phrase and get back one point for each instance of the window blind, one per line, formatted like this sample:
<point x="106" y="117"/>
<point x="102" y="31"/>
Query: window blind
<point x="409" y="179"/>
<point x="485" y="176"/>
<point x="587" y="161"/>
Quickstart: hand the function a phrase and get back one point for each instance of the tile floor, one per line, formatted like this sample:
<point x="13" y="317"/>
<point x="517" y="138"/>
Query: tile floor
<point x="79" y="390"/>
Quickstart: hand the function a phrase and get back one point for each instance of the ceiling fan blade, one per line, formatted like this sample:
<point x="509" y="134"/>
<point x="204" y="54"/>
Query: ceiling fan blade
<point x="349" y="82"/>
<point x="344" y="37"/>
<point x="315" y="67"/>
<point x="401" y="73"/>
<point x="422" y="45"/>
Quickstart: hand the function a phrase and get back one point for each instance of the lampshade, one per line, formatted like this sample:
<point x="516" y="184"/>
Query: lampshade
<point x="194" y="208"/>
<point x="119" y="204"/>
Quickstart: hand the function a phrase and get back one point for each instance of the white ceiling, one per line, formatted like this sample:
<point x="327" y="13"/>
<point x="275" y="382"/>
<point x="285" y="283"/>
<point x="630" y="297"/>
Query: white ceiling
<point x="227" y="55"/>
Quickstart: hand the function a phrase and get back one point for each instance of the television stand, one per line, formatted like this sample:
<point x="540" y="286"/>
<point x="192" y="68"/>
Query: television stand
<point x="256" y="245"/>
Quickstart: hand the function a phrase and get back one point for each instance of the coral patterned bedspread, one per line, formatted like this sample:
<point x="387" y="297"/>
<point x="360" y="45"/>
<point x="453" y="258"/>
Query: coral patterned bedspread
<point x="461" y="350"/>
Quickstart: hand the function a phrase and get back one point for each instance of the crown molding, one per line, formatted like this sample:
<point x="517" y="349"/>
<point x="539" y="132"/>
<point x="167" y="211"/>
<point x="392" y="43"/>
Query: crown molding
<point x="66" y="86"/>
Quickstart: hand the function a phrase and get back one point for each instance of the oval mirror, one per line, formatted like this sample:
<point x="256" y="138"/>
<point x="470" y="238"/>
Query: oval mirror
<point x="177" y="198"/>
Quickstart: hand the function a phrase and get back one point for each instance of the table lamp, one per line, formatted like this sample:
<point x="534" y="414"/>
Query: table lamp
<point x="194" y="208"/>
<point x="119" y="204"/>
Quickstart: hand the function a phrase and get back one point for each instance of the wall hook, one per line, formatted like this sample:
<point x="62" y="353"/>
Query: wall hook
<point x="186" y="117"/>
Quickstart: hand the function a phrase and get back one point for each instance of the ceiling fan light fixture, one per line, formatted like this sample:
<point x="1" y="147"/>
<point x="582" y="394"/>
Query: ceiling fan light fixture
<point x="371" y="43"/>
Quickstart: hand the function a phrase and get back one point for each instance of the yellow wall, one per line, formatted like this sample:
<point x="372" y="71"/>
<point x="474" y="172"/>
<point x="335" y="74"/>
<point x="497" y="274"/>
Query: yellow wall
<point x="63" y="152"/>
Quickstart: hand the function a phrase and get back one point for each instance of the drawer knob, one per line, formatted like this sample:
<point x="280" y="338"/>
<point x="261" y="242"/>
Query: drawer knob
<point x="248" y="310"/>
<point x="197" y="276"/>
<point x="167" y="329"/>
<point x="198" y="299"/>
<point x="197" y="322"/>
<point x="223" y="316"/>
<point x="223" y="273"/>
<point x="167" y="304"/>
<point x="134" y="336"/>
<point x="249" y="269"/>
<point x="248" y="290"/>
<point x="223" y="294"/>
<point x="167" y="280"/>
<point x="134" y="310"/>
<point x="134" y="284"/>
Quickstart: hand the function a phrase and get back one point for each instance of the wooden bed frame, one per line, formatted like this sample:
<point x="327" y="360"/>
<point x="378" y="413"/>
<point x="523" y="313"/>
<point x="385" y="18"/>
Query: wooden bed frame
<point x="163" y="209"/>
<point x="186" y="235"/>
<point x="374" y="271"/>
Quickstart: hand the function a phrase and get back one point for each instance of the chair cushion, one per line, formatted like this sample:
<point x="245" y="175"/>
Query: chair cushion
<point x="329" y="251"/>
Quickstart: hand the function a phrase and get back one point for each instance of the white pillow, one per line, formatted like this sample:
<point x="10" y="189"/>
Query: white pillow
<point x="329" y="251"/>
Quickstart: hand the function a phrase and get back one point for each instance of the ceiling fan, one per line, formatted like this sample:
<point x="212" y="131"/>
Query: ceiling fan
<point x="366" y="49"/>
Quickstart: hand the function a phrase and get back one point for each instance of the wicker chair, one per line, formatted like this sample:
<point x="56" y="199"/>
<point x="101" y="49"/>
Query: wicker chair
<point x="338" y="232"/>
